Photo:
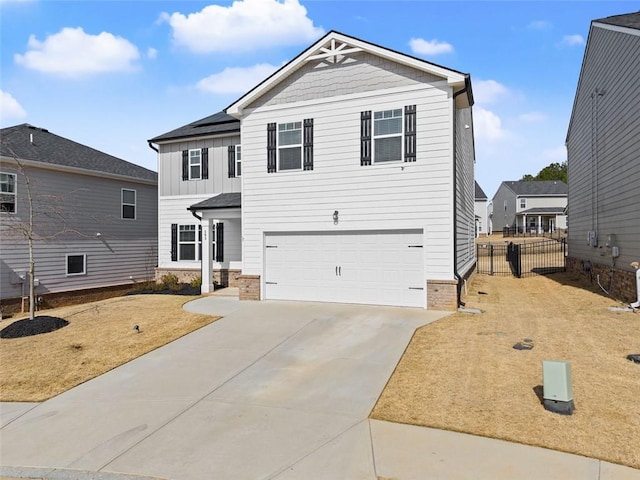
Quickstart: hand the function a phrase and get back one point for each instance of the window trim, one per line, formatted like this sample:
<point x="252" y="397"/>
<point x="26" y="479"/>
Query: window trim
<point x="375" y="137"/>
<point x="289" y="147"/>
<point x="14" y="193"/>
<point x="199" y="151"/>
<point x="238" y="161"/>
<point x="197" y="243"/>
<point x="134" y="204"/>
<point x="84" y="264"/>
<point x="523" y="202"/>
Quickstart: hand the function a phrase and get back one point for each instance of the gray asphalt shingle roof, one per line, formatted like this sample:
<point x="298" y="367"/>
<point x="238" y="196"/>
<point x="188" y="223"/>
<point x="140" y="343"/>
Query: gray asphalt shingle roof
<point x="480" y="195"/>
<point x="540" y="187"/>
<point x="629" y="20"/>
<point x="215" y="124"/>
<point x="223" y="200"/>
<point x="50" y="148"/>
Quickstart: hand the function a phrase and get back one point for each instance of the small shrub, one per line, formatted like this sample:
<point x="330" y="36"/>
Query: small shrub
<point x="170" y="281"/>
<point x="196" y="282"/>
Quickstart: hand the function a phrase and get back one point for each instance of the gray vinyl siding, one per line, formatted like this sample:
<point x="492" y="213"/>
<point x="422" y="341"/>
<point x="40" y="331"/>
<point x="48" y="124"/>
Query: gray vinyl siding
<point x="503" y="217"/>
<point x="357" y="73"/>
<point x="71" y="209"/>
<point x="603" y="147"/>
<point x="465" y="191"/>
<point x="170" y="181"/>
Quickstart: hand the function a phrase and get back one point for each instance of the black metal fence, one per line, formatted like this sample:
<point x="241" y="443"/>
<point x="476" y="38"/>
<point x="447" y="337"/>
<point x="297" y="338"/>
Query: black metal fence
<point x="522" y="259"/>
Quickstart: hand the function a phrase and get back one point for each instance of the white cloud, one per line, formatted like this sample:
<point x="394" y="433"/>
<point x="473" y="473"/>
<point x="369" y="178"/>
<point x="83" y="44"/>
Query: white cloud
<point x="245" y="25"/>
<point x="489" y="91"/>
<point x="429" y="47"/>
<point x="152" y="53"/>
<point x="487" y="125"/>
<point x="10" y="108"/>
<point x="539" y="25"/>
<point x="72" y="52"/>
<point x="532" y="117"/>
<point x="557" y="154"/>
<point x="573" y="40"/>
<point x="236" y="79"/>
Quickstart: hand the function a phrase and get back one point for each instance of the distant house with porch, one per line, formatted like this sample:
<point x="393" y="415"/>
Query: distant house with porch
<point x="530" y="207"/>
<point x="481" y="214"/>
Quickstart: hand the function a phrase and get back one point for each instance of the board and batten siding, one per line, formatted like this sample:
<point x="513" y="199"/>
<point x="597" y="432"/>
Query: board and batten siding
<point x="170" y="181"/>
<point x="174" y="211"/>
<point x="559" y="201"/>
<point x="392" y="196"/>
<point x="603" y="145"/>
<point x="71" y="209"/>
<point x="465" y="192"/>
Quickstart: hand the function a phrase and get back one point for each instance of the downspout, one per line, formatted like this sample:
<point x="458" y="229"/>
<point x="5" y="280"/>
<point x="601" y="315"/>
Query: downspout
<point x="459" y="301"/>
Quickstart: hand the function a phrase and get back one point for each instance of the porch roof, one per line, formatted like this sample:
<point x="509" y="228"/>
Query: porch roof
<point x="543" y="211"/>
<point x="223" y="200"/>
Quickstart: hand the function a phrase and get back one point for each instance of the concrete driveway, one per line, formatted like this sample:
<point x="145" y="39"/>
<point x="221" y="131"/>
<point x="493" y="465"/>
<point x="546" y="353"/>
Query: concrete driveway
<point x="273" y="390"/>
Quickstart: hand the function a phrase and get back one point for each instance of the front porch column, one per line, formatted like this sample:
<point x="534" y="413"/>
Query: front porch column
<point x="524" y="224"/>
<point x="207" y="257"/>
<point x="539" y="224"/>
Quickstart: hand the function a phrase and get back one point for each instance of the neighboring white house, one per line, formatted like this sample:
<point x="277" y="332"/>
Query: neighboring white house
<point x="603" y="147"/>
<point x="529" y="207"/>
<point x="357" y="181"/>
<point x="95" y="215"/>
<point x="480" y="208"/>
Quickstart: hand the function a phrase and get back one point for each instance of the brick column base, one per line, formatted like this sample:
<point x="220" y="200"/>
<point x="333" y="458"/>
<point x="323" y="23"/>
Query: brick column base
<point x="249" y="286"/>
<point x="442" y="295"/>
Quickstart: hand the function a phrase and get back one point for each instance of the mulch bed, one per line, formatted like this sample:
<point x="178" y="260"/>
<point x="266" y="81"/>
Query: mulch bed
<point x="180" y="289"/>
<point x="28" y="327"/>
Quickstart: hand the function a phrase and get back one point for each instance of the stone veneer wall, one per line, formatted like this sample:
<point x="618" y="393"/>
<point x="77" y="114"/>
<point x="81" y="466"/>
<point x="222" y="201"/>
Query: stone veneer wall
<point x="249" y="287"/>
<point x="442" y="294"/>
<point x="224" y="277"/>
<point x="620" y="284"/>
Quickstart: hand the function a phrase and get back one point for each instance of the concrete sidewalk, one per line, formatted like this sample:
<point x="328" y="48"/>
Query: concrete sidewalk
<point x="274" y="390"/>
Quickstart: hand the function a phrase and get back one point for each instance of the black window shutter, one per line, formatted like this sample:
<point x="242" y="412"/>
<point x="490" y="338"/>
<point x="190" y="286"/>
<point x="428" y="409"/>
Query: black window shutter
<point x="205" y="163"/>
<point x="271" y="147"/>
<point x="232" y="161"/>
<point x="365" y="138"/>
<point x="410" y="133"/>
<point x="185" y="164"/>
<point x="219" y="242"/>
<point x="174" y="242"/>
<point x="307" y="145"/>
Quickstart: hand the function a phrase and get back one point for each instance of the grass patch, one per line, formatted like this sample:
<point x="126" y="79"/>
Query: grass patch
<point x="462" y="373"/>
<point x="99" y="337"/>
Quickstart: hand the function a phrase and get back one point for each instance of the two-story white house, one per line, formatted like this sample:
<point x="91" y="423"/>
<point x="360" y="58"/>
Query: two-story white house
<point x="357" y="170"/>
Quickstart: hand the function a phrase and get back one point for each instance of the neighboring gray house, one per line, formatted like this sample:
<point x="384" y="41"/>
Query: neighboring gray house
<point x="603" y="146"/>
<point x="200" y="166"/>
<point x="357" y="168"/>
<point x="95" y="215"/>
<point x="483" y="226"/>
<point x="531" y="208"/>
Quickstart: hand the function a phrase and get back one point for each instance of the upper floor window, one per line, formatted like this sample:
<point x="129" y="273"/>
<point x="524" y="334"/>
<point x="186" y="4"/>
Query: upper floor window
<point x="238" y="160"/>
<point x="195" y="165"/>
<point x="387" y="136"/>
<point x="290" y="146"/>
<point x="523" y="203"/>
<point x="128" y="203"/>
<point x="8" y="192"/>
<point x="505" y="205"/>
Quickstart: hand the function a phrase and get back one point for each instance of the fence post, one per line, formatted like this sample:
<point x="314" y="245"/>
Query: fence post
<point x="491" y="257"/>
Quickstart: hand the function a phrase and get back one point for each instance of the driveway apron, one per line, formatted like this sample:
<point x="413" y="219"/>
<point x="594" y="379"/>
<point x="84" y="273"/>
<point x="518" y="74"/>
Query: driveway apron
<point x="247" y="397"/>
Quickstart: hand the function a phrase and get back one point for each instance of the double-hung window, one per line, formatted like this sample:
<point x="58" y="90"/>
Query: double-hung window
<point x="523" y="203"/>
<point x="290" y="146"/>
<point x="195" y="164"/>
<point x="238" y="160"/>
<point x="387" y="136"/>
<point x="128" y="204"/>
<point x="189" y="242"/>
<point x="8" y="192"/>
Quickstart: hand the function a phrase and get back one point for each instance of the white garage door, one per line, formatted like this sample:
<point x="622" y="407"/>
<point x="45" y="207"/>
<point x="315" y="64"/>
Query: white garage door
<point x="373" y="267"/>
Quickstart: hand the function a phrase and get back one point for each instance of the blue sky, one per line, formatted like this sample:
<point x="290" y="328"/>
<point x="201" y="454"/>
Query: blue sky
<point x="112" y="74"/>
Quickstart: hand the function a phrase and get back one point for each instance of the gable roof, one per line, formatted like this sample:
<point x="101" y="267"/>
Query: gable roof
<point x="537" y="187"/>
<point x="628" y="20"/>
<point x="216" y="124"/>
<point x="480" y="195"/>
<point x="334" y="44"/>
<point x="39" y="145"/>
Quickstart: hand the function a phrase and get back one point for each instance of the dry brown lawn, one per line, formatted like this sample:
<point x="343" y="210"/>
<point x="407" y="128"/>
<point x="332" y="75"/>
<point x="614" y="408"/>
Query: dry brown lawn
<point x="99" y="337"/>
<point x="461" y="373"/>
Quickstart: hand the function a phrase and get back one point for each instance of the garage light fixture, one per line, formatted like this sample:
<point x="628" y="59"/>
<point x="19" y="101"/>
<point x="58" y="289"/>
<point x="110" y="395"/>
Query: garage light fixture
<point x="335" y="217"/>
